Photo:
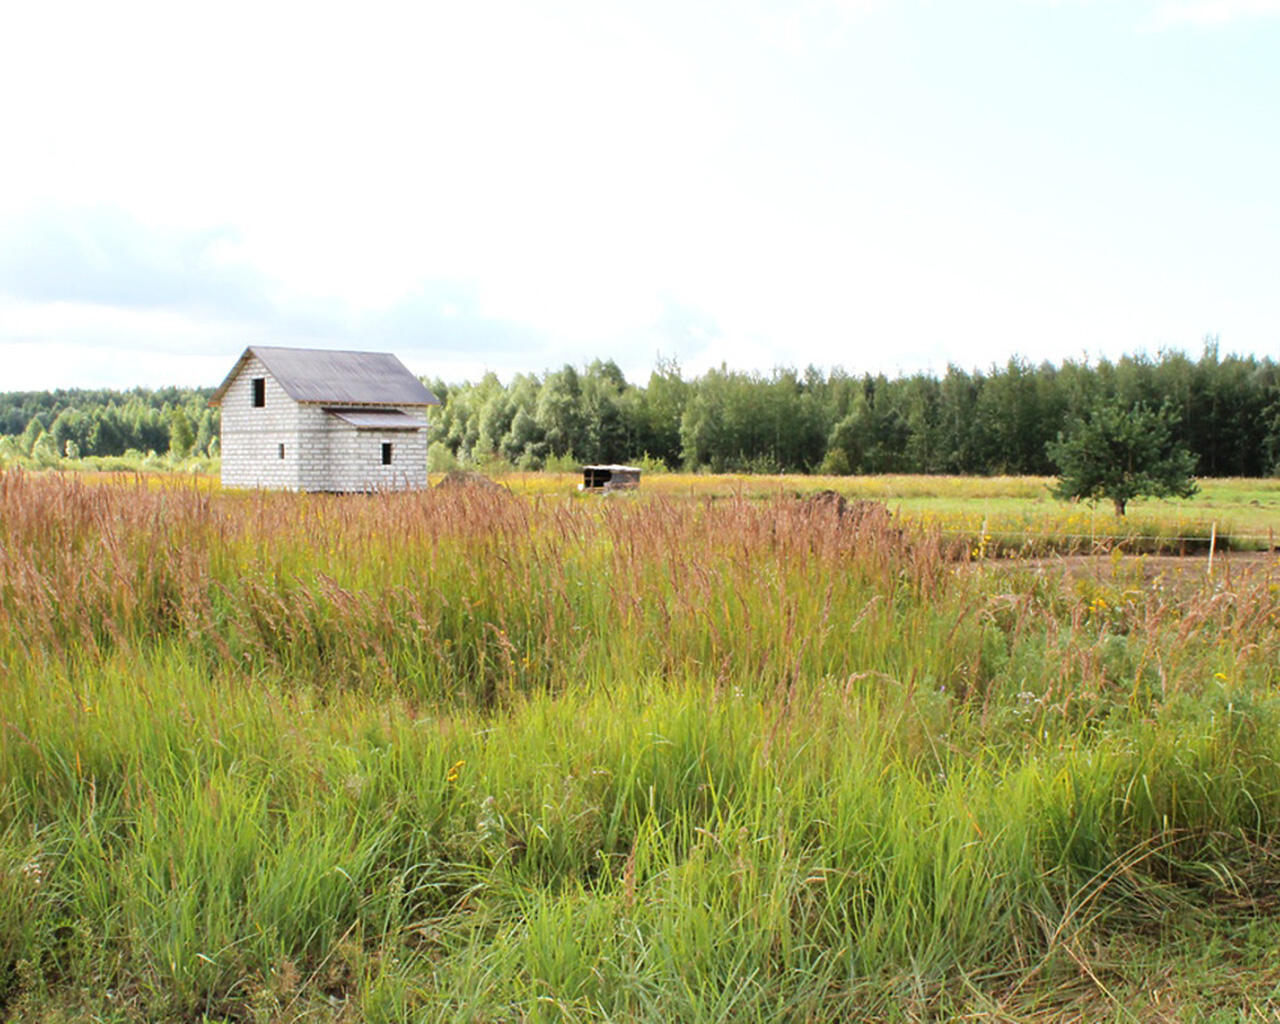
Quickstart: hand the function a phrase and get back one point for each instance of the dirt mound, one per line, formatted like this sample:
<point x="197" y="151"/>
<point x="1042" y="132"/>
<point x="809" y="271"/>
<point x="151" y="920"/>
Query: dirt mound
<point x="465" y="478"/>
<point x="861" y="511"/>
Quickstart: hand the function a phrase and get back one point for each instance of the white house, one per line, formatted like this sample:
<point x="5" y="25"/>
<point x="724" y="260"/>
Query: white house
<point x="316" y="420"/>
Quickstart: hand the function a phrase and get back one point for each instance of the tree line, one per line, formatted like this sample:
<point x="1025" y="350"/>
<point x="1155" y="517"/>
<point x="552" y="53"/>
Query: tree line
<point x="1224" y="409"/>
<point x="73" y="423"/>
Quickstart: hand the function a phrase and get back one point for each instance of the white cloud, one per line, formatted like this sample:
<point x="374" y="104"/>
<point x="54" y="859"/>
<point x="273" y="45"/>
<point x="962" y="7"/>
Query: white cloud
<point x="64" y="345"/>
<point x="1213" y="12"/>
<point x="502" y="185"/>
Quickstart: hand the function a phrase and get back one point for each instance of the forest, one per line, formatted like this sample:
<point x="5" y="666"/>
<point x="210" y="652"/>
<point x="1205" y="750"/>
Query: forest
<point x="72" y="423"/>
<point x="1225" y="409"/>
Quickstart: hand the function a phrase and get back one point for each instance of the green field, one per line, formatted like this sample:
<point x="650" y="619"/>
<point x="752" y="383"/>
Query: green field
<point x="708" y="752"/>
<point x="1019" y="513"/>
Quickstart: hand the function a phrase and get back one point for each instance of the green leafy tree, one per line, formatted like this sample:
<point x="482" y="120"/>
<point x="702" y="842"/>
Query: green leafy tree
<point x="604" y="431"/>
<point x="70" y="426"/>
<point x="559" y="412"/>
<point x="522" y="445"/>
<point x="45" y="451"/>
<point x="106" y="436"/>
<point x="661" y="412"/>
<point x="958" y="396"/>
<point x="182" y="435"/>
<point x="495" y="420"/>
<point x="1122" y="452"/>
<point x="33" y="433"/>
<point x="205" y="432"/>
<point x="716" y="420"/>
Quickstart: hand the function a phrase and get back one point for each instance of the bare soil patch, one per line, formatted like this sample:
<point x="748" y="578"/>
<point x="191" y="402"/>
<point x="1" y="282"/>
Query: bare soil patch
<point x="1227" y="566"/>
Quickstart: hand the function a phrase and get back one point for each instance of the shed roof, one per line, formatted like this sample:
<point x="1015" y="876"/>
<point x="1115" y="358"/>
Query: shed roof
<point x="379" y="419"/>
<point x="335" y="378"/>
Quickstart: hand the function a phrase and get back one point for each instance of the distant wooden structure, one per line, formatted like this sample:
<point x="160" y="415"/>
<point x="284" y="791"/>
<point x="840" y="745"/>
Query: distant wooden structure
<point x="609" y="478"/>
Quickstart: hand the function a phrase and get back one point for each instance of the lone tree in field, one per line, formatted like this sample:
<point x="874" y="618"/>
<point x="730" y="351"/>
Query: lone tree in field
<point x="1120" y="453"/>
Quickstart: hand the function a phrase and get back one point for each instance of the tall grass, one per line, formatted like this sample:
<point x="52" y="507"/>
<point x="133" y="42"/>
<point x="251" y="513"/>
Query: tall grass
<point x="998" y="516"/>
<point x="465" y="755"/>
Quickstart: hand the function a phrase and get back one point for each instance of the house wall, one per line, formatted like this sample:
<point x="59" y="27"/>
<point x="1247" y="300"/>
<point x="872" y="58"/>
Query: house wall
<point x="251" y="438"/>
<point x="321" y="452"/>
<point x="338" y="457"/>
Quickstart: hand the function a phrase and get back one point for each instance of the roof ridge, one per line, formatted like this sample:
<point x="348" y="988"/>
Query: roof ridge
<point x="341" y="376"/>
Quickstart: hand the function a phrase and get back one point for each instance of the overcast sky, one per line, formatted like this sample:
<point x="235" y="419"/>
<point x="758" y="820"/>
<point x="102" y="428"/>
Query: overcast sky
<point x="516" y="184"/>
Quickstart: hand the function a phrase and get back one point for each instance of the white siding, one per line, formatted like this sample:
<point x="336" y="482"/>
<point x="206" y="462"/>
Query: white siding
<point x="251" y="438"/>
<point x="321" y="452"/>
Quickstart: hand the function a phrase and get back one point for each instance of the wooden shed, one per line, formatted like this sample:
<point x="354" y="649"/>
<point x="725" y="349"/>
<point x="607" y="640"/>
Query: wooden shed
<point x="319" y="420"/>
<point x="609" y="478"/>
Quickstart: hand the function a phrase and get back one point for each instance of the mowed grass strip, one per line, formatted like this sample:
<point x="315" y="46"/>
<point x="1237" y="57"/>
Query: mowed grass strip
<point x="470" y="755"/>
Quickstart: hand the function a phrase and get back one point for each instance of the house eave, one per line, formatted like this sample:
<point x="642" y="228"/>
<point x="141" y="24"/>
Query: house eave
<point x="215" y="399"/>
<point x="366" y="405"/>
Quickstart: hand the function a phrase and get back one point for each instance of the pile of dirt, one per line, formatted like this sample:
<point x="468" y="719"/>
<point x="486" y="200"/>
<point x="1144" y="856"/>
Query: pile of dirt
<point x="466" y="478"/>
<point x="861" y="511"/>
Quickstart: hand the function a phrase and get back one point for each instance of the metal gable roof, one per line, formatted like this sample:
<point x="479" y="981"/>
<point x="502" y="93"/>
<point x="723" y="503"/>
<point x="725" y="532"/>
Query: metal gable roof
<point x="332" y="377"/>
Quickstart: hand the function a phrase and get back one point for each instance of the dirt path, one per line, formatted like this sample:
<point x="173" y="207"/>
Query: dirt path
<point x="1228" y="566"/>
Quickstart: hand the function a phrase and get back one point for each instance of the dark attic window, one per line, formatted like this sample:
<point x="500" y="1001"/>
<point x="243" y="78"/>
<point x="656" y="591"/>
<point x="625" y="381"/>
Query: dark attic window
<point x="282" y="451"/>
<point x="386" y="453"/>
<point x="259" y="392"/>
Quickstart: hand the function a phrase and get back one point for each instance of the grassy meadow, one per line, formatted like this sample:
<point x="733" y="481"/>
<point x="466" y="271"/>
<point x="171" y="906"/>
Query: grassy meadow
<point x="709" y="752"/>
<point x="1017" y="515"/>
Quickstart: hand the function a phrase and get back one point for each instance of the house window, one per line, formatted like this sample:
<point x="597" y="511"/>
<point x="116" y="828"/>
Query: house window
<point x="259" y="392"/>
<point x="282" y="451"/>
<point x="386" y="453"/>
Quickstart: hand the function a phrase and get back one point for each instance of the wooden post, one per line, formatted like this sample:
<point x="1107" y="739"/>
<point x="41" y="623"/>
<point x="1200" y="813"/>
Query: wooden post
<point x="1213" y="543"/>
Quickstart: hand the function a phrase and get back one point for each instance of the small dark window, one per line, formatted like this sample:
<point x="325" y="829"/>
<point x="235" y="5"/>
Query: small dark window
<point x="259" y="392"/>
<point x="282" y="451"/>
<point x="386" y="453"/>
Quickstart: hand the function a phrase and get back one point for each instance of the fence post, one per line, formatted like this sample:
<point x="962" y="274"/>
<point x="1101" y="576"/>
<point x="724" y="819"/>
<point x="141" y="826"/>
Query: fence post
<point x="1213" y="543"/>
